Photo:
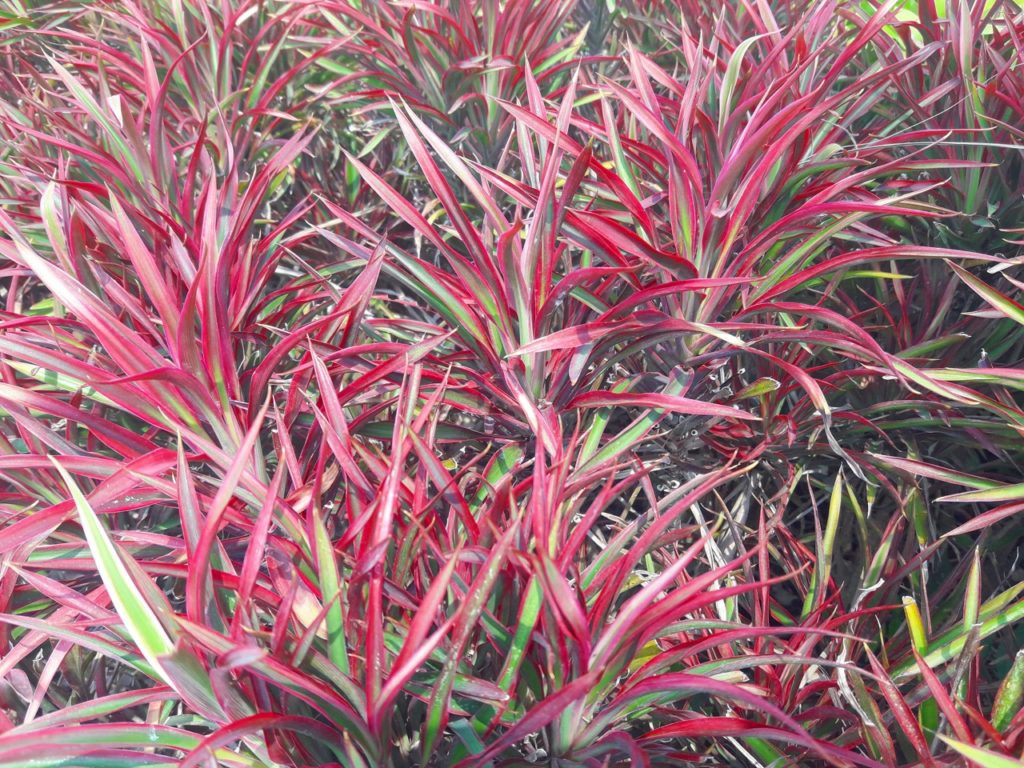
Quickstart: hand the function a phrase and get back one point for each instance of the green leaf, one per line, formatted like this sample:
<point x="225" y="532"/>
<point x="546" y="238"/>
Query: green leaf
<point x="983" y="757"/>
<point x="139" y="618"/>
<point x="1010" y="695"/>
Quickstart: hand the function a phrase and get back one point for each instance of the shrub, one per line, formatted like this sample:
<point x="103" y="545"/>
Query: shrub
<point x="458" y="384"/>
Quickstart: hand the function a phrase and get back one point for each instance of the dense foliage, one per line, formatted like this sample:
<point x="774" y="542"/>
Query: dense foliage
<point x="511" y="382"/>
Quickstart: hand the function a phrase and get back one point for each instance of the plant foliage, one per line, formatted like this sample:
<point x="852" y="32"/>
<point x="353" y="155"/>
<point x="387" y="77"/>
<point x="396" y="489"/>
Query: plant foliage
<point x="470" y="383"/>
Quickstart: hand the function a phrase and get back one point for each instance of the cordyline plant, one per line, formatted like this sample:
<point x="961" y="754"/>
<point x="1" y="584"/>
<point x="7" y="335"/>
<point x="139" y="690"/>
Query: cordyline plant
<point x="510" y="383"/>
<point x="449" y="61"/>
